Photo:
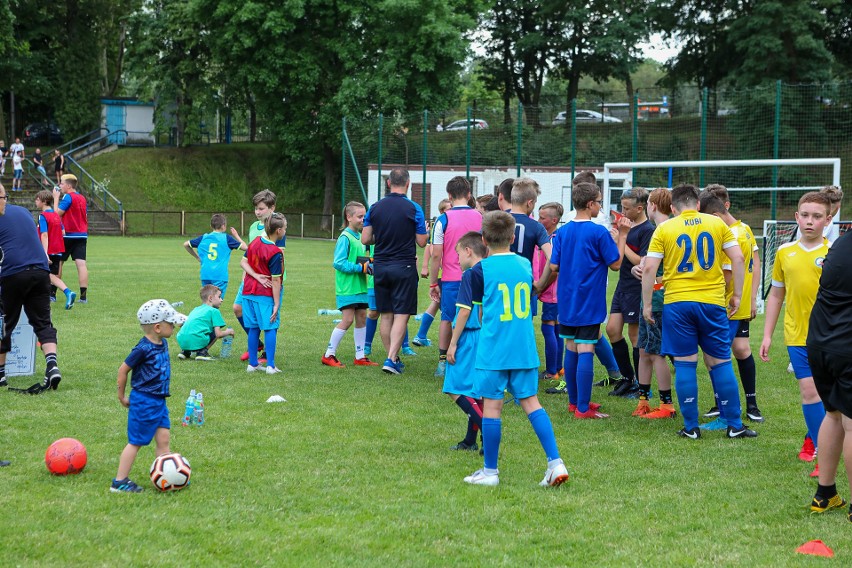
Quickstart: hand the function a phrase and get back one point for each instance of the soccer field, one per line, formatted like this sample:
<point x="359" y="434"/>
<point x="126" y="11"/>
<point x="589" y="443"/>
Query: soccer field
<point x="354" y="469"/>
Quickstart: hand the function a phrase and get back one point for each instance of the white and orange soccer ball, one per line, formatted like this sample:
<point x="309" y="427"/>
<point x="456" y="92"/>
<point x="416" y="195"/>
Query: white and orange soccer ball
<point x="170" y="472"/>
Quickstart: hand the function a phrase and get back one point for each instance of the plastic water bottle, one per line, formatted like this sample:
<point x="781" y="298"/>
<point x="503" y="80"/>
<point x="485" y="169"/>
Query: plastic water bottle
<point x="189" y="413"/>
<point x="199" y="410"/>
<point x="336" y="321"/>
<point x="322" y="312"/>
<point x="177" y="304"/>
<point x="418" y="317"/>
<point x="227" y="342"/>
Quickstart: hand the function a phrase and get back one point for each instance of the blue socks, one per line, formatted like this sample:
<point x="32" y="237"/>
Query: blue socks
<point x="243" y="325"/>
<point x="585" y="378"/>
<point x="405" y="339"/>
<point x="603" y="351"/>
<point x="491" y="434"/>
<point x="371" y="332"/>
<point x="551" y="348"/>
<point x="425" y="324"/>
<point x="570" y="367"/>
<point x="725" y="385"/>
<point x="814" y="413"/>
<point x="686" y="386"/>
<point x="544" y="430"/>
<point x="270" y="336"/>
<point x="253" y="343"/>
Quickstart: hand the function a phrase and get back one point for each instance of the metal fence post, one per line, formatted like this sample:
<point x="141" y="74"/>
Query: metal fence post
<point x="703" y="148"/>
<point x="634" y="152"/>
<point x="425" y="151"/>
<point x="342" y="162"/>
<point x="467" y="146"/>
<point x="332" y="225"/>
<point x="776" y="148"/>
<point x="183" y="223"/>
<point x="520" y="135"/>
<point x="573" y="138"/>
<point x="381" y="135"/>
<point x="303" y="225"/>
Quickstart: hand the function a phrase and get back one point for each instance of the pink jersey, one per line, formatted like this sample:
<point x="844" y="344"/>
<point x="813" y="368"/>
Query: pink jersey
<point x="539" y="260"/>
<point x="455" y="223"/>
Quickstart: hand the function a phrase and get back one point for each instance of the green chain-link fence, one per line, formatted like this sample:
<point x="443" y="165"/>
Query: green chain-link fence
<point x="551" y="143"/>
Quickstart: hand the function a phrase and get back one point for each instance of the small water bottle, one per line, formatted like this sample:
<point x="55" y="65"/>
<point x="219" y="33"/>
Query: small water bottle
<point x="227" y="342"/>
<point x="322" y="312"/>
<point x="199" y="410"/>
<point x="189" y="413"/>
<point x="418" y="317"/>
<point x="177" y="304"/>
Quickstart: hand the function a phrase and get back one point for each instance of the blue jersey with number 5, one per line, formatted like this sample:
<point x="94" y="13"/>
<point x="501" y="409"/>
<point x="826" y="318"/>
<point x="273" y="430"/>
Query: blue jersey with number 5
<point x="214" y="250"/>
<point x="692" y="248"/>
<point x="502" y="284"/>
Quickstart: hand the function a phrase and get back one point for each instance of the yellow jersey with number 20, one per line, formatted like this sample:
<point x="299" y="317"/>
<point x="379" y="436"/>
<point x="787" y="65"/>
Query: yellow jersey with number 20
<point x="691" y="246"/>
<point x="798" y="271"/>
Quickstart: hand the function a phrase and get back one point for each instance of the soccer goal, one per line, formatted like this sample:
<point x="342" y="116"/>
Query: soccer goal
<point x="775" y="234"/>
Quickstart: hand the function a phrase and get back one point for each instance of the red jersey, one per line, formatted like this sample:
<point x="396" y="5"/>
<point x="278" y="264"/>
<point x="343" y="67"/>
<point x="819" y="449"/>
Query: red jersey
<point x="75" y="219"/>
<point x="265" y="258"/>
<point x="50" y="223"/>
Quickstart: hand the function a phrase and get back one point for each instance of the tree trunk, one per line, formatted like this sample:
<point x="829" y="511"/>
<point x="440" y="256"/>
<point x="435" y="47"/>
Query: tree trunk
<point x="330" y="167"/>
<point x="628" y="81"/>
<point x="252" y="120"/>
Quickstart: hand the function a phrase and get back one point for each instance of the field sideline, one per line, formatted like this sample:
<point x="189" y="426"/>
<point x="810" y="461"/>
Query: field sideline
<point x="354" y="469"/>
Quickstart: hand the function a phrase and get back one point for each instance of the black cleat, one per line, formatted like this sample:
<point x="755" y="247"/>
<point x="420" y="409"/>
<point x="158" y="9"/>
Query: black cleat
<point x="712" y="413"/>
<point x="622" y="387"/>
<point x="607" y="382"/>
<point x="753" y="414"/>
<point x="465" y="447"/>
<point x="741" y="432"/>
<point x="52" y="377"/>
<point x="693" y="434"/>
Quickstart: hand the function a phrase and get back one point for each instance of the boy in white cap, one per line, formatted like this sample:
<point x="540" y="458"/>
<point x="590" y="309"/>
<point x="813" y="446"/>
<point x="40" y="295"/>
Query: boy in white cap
<point x="148" y="416"/>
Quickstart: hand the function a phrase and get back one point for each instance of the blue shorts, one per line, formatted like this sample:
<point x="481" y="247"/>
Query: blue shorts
<point x="799" y="359"/>
<point x="257" y="310"/>
<point x="738" y="328"/>
<point x="589" y="334"/>
<point x="533" y="304"/>
<point x="356" y="301"/>
<point x="449" y="294"/>
<point x="460" y="377"/>
<point x="221" y="284"/>
<point x="371" y="299"/>
<point x="238" y="301"/>
<point x="522" y="383"/>
<point x="549" y="312"/>
<point x="18" y="174"/>
<point x="651" y="335"/>
<point x="688" y="325"/>
<point x="146" y="415"/>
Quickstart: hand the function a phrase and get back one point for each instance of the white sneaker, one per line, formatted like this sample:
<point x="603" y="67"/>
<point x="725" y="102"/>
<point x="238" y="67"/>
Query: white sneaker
<point x="479" y="477"/>
<point x="555" y="476"/>
<point x="272" y="370"/>
<point x="251" y="369"/>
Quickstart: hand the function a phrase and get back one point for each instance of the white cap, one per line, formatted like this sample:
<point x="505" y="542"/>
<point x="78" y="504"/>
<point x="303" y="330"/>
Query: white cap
<point x="156" y="311"/>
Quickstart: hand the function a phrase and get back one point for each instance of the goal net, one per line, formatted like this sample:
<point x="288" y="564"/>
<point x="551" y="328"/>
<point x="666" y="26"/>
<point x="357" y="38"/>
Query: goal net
<point x="775" y="234"/>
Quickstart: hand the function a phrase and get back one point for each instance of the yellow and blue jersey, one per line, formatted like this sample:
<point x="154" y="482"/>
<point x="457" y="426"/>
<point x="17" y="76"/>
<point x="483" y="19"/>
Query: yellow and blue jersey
<point x="745" y="238"/>
<point x="691" y="247"/>
<point x="798" y="271"/>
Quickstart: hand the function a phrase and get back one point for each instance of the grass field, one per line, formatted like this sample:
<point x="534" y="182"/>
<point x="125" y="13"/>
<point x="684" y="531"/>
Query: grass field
<point x="354" y="469"/>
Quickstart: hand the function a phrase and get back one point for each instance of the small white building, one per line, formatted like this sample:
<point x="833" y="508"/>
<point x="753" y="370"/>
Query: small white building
<point x="555" y="182"/>
<point x="131" y="115"/>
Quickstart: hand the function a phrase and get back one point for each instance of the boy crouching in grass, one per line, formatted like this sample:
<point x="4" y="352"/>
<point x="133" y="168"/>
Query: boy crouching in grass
<point x="204" y="326"/>
<point x="506" y="357"/>
<point x="461" y="370"/>
<point x="148" y="415"/>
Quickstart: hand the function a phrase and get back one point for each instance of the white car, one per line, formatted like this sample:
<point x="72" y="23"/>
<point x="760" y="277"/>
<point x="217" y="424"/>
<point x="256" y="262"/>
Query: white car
<point x="475" y="123"/>
<point x="584" y="116"/>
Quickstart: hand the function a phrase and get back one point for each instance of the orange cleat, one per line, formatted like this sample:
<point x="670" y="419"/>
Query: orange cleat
<point x="331" y="361"/>
<point x="665" y="411"/>
<point x="364" y="362"/>
<point x="593" y="414"/>
<point x="642" y="408"/>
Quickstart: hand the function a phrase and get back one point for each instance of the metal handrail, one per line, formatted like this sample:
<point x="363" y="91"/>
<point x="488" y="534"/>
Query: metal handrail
<point x="71" y="143"/>
<point x="98" y="193"/>
<point x="95" y="141"/>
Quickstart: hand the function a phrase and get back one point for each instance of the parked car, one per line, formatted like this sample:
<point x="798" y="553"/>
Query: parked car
<point x="584" y="116"/>
<point x="475" y="123"/>
<point x="42" y="133"/>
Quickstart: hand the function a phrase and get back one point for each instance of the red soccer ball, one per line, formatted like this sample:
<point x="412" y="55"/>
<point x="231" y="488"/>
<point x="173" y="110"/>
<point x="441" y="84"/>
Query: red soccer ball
<point x="65" y="456"/>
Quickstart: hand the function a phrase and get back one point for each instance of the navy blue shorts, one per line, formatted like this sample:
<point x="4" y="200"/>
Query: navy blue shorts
<point x="146" y="415"/>
<point x="581" y="334"/>
<point x="549" y="311"/>
<point x="396" y="288"/>
<point x="627" y="303"/>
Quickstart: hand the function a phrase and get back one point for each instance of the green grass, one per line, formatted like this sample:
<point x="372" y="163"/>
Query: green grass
<point x="219" y="177"/>
<point x="354" y="469"/>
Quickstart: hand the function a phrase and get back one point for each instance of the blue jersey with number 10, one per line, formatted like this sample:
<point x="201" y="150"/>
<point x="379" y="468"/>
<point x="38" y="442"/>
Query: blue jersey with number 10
<point x="502" y="283"/>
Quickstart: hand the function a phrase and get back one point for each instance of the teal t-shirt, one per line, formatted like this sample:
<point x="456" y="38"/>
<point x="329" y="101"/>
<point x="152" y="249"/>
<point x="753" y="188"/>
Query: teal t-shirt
<point x="195" y="333"/>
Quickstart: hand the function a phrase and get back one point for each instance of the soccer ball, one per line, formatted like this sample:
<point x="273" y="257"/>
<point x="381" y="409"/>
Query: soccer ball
<point x="170" y="472"/>
<point x="65" y="456"/>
